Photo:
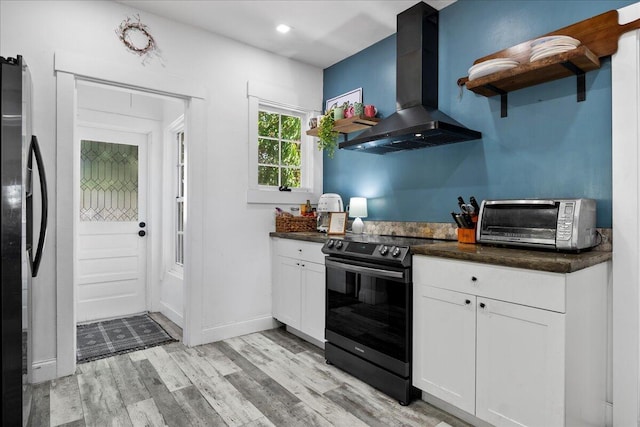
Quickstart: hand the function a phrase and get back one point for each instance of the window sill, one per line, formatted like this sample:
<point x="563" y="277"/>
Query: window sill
<point x="176" y="272"/>
<point x="284" y="197"/>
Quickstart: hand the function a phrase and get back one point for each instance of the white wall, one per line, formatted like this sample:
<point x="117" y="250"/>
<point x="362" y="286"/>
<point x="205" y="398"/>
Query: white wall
<point x="625" y="68"/>
<point x="236" y="286"/>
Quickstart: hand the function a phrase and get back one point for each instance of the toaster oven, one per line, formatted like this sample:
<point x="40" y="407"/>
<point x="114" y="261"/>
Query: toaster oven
<point x="559" y="224"/>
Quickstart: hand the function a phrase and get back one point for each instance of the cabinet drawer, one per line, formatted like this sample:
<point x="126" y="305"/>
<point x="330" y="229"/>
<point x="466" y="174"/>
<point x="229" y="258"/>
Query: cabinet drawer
<point x="538" y="289"/>
<point x="307" y="251"/>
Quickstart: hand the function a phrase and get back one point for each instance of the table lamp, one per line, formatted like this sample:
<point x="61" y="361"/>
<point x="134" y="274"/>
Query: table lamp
<point x="357" y="210"/>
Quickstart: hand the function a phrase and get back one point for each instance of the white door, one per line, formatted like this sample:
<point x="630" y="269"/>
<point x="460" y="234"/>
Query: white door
<point x="111" y="247"/>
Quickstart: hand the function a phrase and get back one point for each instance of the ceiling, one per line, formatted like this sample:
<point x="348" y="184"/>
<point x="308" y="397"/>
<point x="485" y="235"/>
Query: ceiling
<point x="323" y="32"/>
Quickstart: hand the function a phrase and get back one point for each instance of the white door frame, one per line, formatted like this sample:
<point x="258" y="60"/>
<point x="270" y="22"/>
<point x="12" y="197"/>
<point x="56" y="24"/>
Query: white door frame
<point x="69" y="68"/>
<point x="625" y="87"/>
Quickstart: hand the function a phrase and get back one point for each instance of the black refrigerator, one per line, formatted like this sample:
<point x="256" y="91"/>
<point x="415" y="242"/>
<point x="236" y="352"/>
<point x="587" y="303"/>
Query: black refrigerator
<point x="20" y="257"/>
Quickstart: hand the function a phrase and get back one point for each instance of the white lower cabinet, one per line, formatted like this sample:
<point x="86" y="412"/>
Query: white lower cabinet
<point x="479" y="348"/>
<point x="519" y="364"/>
<point x="298" y="294"/>
<point x="313" y="300"/>
<point x="287" y="291"/>
<point x="444" y="360"/>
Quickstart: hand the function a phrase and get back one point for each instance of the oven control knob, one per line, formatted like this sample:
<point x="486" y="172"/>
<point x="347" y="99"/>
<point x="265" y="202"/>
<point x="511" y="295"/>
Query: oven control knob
<point x="384" y="250"/>
<point x="395" y="251"/>
<point x="330" y="244"/>
<point x="338" y="244"/>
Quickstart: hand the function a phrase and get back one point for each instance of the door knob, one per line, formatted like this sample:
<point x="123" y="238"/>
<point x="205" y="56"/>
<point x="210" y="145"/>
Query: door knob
<point x="142" y="224"/>
<point x="142" y="233"/>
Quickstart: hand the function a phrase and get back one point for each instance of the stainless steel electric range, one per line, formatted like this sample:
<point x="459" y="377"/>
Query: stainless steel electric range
<point x="369" y="309"/>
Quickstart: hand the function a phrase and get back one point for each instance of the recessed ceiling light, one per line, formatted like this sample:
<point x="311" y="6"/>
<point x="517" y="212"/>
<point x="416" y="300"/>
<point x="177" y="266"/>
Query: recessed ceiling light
<point x="282" y="28"/>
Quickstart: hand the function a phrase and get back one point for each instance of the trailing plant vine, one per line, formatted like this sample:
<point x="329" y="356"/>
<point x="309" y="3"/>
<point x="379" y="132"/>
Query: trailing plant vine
<point x="327" y="137"/>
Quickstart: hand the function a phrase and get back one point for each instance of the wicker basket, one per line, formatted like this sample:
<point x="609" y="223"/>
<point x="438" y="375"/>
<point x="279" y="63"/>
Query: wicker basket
<point x="286" y="224"/>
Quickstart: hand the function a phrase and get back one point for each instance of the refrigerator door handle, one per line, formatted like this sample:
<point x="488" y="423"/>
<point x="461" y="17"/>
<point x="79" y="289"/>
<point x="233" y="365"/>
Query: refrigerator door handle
<point x="34" y="151"/>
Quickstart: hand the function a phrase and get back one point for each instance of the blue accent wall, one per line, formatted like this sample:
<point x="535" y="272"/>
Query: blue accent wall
<point x="549" y="146"/>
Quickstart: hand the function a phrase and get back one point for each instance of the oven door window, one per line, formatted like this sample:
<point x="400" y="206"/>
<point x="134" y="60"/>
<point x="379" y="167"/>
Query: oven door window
<point x="537" y="222"/>
<point x="370" y="309"/>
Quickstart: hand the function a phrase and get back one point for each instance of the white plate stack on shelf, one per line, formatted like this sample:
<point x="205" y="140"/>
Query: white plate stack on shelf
<point x="491" y="66"/>
<point x="551" y="45"/>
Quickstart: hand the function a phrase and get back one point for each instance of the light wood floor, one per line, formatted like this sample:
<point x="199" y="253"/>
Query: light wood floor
<point x="271" y="378"/>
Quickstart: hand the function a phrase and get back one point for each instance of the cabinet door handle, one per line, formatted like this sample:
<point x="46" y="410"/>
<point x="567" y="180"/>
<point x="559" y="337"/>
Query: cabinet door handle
<point x="467" y="301"/>
<point x="474" y="279"/>
<point x="302" y="265"/>
<point x="297" y="263"/>
<point x="482" y="305"/>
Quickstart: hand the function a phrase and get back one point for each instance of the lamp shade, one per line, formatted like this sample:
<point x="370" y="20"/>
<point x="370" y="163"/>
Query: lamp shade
<point x="358" y="207"/>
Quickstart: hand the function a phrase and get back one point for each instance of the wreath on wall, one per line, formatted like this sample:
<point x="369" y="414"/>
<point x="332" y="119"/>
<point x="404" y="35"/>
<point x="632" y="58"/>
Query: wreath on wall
<point x="137" y="38"/>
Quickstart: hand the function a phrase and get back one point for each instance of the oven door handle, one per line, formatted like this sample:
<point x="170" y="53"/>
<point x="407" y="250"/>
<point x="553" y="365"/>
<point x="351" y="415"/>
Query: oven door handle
<point x="368" y="270"/>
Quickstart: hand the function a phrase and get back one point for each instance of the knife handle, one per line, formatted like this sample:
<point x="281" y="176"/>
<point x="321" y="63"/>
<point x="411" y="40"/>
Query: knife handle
<point x="474" y="203"/>
<point x="466" y="219"/>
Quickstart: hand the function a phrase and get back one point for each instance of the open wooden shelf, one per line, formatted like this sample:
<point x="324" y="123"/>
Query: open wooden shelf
<point x="352" y="124"/>
<point x="599" y="37"/>
<point x="533" y="73"/>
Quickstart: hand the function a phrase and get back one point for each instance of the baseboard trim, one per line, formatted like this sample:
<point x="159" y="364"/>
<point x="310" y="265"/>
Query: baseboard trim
<point x="223" y="332"/>
<point x="454" y="410"/>
<point x="172" y="314"/>
<point x="305" y="337"/>
<point x="44" y="370"/>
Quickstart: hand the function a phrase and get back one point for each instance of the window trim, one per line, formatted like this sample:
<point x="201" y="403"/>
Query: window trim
<point x="267" y="96"/>
<point x="174" y="128"/>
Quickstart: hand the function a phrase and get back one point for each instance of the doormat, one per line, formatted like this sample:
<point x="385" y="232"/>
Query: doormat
<point x="109" y="338"/>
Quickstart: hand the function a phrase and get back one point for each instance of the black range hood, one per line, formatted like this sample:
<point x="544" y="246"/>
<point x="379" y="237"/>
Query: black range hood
<point x="418" y="123"/>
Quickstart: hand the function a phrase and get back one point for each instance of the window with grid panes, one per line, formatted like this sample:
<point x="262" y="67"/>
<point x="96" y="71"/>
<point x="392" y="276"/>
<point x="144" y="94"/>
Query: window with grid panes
<point x="180" y="199"/>
<point x="279" y="148"/>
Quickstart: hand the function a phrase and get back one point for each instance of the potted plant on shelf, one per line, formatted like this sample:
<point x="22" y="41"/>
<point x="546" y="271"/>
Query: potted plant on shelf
<point x="327" y="137"/>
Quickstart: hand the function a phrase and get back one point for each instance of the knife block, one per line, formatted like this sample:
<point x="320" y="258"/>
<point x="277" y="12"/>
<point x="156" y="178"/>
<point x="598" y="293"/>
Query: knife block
<point x="466" y="235"/>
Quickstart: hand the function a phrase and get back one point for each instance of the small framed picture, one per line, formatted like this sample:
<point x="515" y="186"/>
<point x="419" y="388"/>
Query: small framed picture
<point x="337" y="223"/>
<point x="348" y="98"/>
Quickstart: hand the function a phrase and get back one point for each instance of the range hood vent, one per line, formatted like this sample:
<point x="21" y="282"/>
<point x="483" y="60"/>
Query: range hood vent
<point x="418" y="123"/>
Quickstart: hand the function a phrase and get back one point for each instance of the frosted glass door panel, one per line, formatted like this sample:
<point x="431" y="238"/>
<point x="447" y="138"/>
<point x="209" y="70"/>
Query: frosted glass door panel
<point x="108" y="181"/>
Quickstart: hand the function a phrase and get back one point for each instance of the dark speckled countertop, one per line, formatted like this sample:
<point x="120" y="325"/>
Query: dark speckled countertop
<point x="307" y="236"/>
<point x="555" y="262"/>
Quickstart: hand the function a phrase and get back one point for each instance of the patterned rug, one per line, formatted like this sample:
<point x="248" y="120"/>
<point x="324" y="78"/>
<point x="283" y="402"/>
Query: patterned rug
<point x="118" y="336"/>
